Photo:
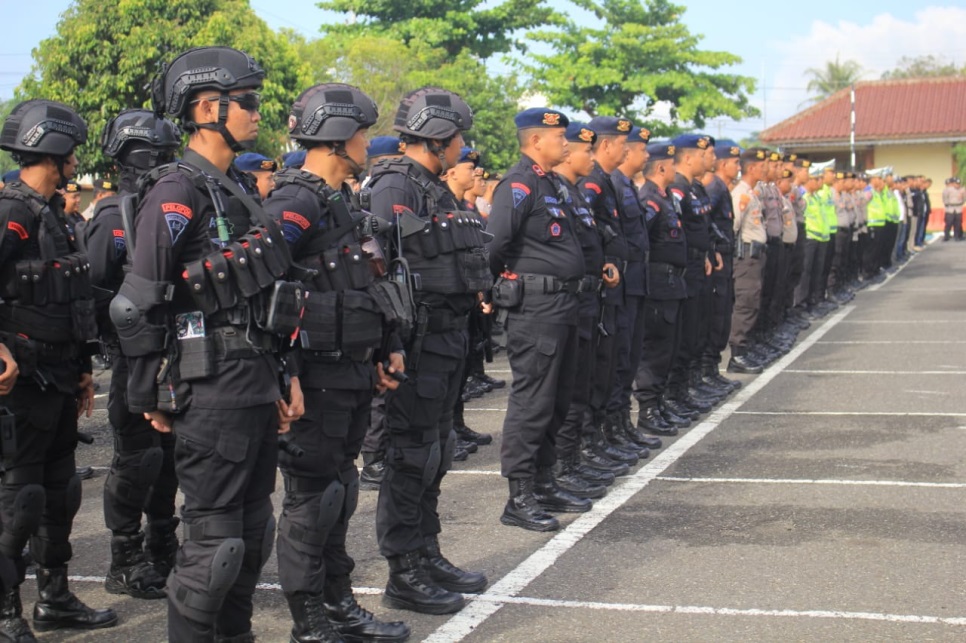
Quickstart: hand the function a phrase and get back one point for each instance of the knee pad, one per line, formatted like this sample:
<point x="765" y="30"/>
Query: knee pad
<point x="27" y="512"/>
<point x="150" y="466"/>
<point x="431" y="466"/>
<point x="72" y="496"/>
<point x="331" y="502"/>
<point x="446" y="457"/>
<point x="225" y="565"/>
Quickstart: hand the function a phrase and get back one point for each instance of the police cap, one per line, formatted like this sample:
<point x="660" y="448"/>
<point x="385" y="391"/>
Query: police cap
<point x="725" y="148"/>
<point x="469" y="155"/>
<point x="294" y="159"/>
<point x="692" y="142"/>
<point x="661" y="150"/>
<point x="639" y="135"/>
<point x="540" y="117"/>
<point x="611" y="126"/>
<point x="578" y="132"/>
<point x="754" y="155"/>
<point x="385" y="146"/>
<point x="255" y="162"/>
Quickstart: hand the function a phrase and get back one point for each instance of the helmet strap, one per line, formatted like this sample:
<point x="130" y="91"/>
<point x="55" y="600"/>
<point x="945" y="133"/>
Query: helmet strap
<point x="339" y="150"/>
<point x="221" y="128"/>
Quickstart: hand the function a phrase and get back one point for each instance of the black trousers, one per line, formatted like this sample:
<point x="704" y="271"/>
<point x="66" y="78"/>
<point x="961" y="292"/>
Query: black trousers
<point x="542" y="356"/>
<point x="419" y="421"/>
<point x="630" y="338"/>
<point x="321" y="489"/>
<point x="605" y="362"/>
<point x="840" y="263"/>
<point x="870" y="257"/>
<point x="225" y="460"/>
<point x="722" y="307"/>
<point x="695" y="321"/>
<point x="770" y="283"/>
<point x="830" y="248"/>
<point x="142" y="476"/>
<point x="796" y="266"/>
<point x="778" y="307"/>
<point x="888" y="245"/>
<point x="45" y="438"/>
<point x="376" y="437"/>
<point x="570" y="431"/>
<point x="662" y="338"/>
<point x="813" y="269"/>
<point x="953" y="223"/>
<point x="748" y="277"/>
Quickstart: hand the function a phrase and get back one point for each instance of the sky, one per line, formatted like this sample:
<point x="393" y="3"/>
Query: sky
<point x="777" y="41"/>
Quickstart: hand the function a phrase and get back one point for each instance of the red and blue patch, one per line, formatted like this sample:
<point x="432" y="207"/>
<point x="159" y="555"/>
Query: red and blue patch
<point x="556" y="230"/>
<point x="120" y="245"/>
<point x="177" y="216"/>
<point x="18" y="229"/>
<point x="520" y="192"/>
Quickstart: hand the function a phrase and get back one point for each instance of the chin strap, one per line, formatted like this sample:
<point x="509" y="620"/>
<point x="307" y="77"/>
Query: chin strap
<point x="339" y="150"/>
<point x="440" y="152"/>
<point x="220" y="127"/>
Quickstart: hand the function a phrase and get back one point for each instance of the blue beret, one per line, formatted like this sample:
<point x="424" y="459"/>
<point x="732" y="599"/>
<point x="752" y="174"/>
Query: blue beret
<point x="294" y="159"/>
<point x="254" y="162"/>
<point x="611" y="125"/>
<point x="726" y="149"/>
<point x="469" y="155"/>
<point x="385" y="146"/>
<point x="639" y="135"/>
<point x="578" y="132"/>
<point x="692" y="142"/>
<point x="661" y="151"/>
<point x="11" y="176"/>
<point x="540" y="117"/>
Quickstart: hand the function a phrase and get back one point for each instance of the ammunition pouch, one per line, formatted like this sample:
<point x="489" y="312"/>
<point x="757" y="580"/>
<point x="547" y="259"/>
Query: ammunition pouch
<point x="507" y="292"/>
<point x="395" y="301"/>
<point x="449" y="255"/>
<point x="336" y="325"/>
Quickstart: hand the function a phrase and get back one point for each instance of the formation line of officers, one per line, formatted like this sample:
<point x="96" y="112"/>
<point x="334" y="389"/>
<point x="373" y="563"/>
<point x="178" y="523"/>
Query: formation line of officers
<point x="249" y="331"/>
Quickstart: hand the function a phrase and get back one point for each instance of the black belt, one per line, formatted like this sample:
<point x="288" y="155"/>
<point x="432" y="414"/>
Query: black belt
<point x="660" y="267"/>
<point x="44" y="352"/>
<point x="356" y="355"/>
<point x="590" y="284"/>
<point x="695" y="253"/>
<point x="240" y="342"/>
<point x="550" y="285"/>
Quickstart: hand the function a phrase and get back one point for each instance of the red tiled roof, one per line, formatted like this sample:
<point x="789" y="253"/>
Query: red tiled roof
<point x="920" y="108"/>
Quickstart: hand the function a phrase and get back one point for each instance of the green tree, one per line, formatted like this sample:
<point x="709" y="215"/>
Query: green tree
<point x="105" y="54"/>
<point x="928" y="66"/>
<point x="959" y="156"/>
<point x="637" y="56"/>
<point x="452" y="25"/>
<point x="6" y="163"/>
<point x="835" y="76"/>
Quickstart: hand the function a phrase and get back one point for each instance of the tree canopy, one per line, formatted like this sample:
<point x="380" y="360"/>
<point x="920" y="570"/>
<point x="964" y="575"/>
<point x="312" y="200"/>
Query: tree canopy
<point x="636" y="59"/>
<point x="105" y="54"/>
<point x="835" y="76"/>
<point x="927" y="66"/>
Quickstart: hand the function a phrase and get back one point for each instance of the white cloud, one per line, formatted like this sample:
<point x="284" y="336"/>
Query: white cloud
<point x="877" y="46"/>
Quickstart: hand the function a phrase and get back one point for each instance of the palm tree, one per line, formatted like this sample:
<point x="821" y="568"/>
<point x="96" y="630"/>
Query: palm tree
<point x="833" y="77"/>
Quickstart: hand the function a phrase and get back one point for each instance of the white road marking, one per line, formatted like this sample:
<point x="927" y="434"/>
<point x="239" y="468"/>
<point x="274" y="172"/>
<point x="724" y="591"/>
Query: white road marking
<point x="795" y="481"/>
<point x="472" y="472"/>
<point x="808" y="371"/>
<point x="474" y="614"/>
<point x="904" y="343"/>
<point x="846" y="413"/>
<point x="904" y="321"/>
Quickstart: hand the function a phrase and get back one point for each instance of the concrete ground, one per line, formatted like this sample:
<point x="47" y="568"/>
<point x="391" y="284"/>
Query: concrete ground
<point x="824" y="501"/>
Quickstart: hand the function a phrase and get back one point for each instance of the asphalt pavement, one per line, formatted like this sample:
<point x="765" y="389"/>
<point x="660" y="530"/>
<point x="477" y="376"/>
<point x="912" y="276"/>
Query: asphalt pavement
<point x="822" y="502"/>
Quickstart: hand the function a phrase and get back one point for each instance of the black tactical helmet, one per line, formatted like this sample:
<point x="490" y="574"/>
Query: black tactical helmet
<point x="433" y="113"/>
<point x="221" y="69"/>
<point x="139" y="126"/>
<point x="42" y="127"/>
<point x="331" y="112"/>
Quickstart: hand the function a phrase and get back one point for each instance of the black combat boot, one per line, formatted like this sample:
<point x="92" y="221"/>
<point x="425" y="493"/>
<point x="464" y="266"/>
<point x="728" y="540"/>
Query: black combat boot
<point x="588" y="473"/>
<point x="354" y="622"/>
<point x="553" y="498"/>
<point x="522" y="509"/>
<point x="309" y="622"/>
<point x="59" y="608"/>
<point x="613" y="428"/>
<point x="711" y="371"/>
<point x="675" y="407"/>
<point x="410" y="588"/>
<point x="130" y="571"/>
<point x="13" y="626"/>
<point x="446" y="574"/>
<point x="649" y="419"/>
<point x="608" y="450"/>
<point x="565" y="473"/>
<point x="675" y="420"/>
<point x="632" y="433"/>
<point x="373" y="470"/>
<point x="161" y="544"/>
<point x="740" y="363"/>
<point x="591" y="456"/>
<point x="467" y="434"/>
<point x="698" y="388"/>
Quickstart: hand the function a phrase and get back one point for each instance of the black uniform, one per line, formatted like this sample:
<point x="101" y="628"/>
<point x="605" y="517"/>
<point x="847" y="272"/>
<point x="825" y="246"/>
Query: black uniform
<point x="46" y="318"/>
<point x="588" y="313"/>
<point x="630" y="316"/>
<point x="337" y="376"/>
<point x="534" y="239"/>
<point x="223" y="394"/>
<point x="601" y="195"/>
<point x="451" y="266"/>
<point x="722" y="281"/>
<point x="695" y="209"/>
<point x="667" y="289"/>
<point x="142" y="476"/>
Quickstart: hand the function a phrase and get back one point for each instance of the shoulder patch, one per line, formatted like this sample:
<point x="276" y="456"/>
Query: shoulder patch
<point x="520" y="192"/>
<point x="296" y="218"/>
<point x="178" y="208"/>
<point x="538" y="170"/>
<point x="18" y="229"/>
<point x="677" y="193"/>
<point x="120" y="244"/>
<point x="399" y="209"/>
<point x="593" y="186"/>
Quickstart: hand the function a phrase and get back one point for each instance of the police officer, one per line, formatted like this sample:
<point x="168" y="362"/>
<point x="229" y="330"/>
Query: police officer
<point x="142" y="477"/>
<point x="771" y="204"/>
<point x="799" y="165"/>
<point x="718" y="187"/>
<point x="816" y="240"/>
<point x="47" y="319"/>
<point x="630" y="317"/>
<point x="954" y="195"/>
<point x="751" y="238"/>
<point x="877" y="213"/>
<point x="447" y="269"/>
<point x="534" y="243"/>
<point x="606" y="204"/>
<point x="579" y="455"/>
<point x="72" y="197"/>
<point x="261" y="168"/>
<point x="337" y="375"/>
<point x="200" y="317"/>
<point x="667" y="290"/>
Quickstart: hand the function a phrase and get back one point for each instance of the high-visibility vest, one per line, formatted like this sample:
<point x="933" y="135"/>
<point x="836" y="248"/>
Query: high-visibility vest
<point x="828" y="209"/>
<point x="893" y="214"/>
<point x="877" y="209"/>
<point x="816" y="226"/>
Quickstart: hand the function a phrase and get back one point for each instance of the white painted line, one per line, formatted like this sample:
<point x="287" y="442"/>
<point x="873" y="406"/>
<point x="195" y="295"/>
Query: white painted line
<point x="904" y="321"/>
<point x="901" y="268"/>
<point x="718" y="611"/>
<point x="806" y="371"/>
<point x="904" y="343"/>
<point x="473" y="472"/>
<point x="474" y="614"/>
<point x="847" y="413"/>
<point x="469" y="408"/>
<point x="793" y="481"/>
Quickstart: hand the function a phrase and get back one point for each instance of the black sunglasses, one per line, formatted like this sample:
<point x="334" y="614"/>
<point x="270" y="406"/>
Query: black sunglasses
<point x="249" y="101"/>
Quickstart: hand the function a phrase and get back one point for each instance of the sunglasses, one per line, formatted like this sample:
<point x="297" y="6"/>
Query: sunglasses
<point x="249" y="101"/>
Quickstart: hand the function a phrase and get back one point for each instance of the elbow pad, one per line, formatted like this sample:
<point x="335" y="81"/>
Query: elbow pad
<point x="129" y="314"/>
